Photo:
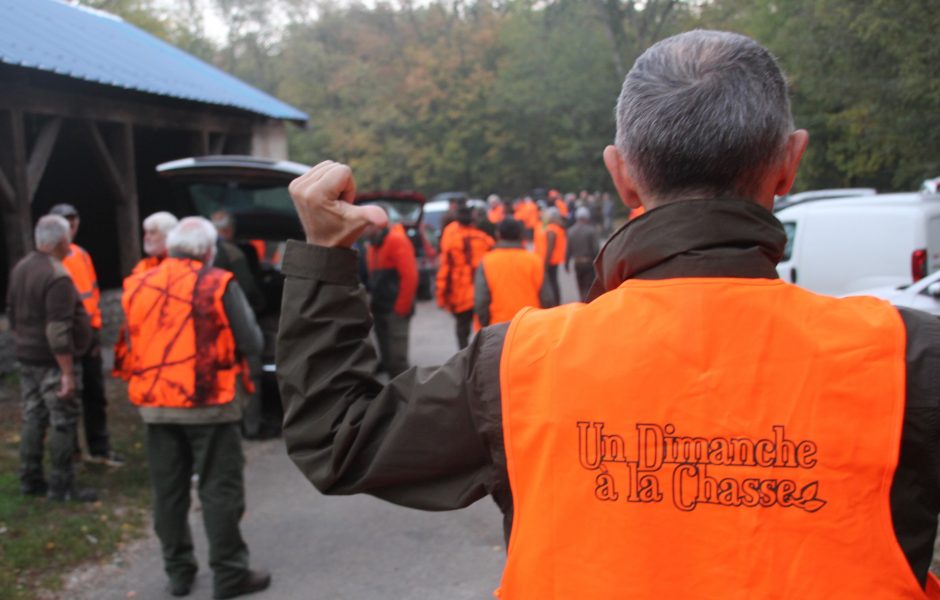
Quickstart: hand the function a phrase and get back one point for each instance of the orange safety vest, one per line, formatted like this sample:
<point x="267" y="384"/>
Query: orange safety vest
<point x="118" y="368"/>
<point x="562" y="207"/>
<point x="462" y="249"/>
<point x="540" y="242"/>
<point x="78" y="264"/>
<point x="732" y="438"/>
<point x="182" y="351"/>
<point x="514" y="278"/>
<point x="496" y="214"/>
<point x="561" y="244"/>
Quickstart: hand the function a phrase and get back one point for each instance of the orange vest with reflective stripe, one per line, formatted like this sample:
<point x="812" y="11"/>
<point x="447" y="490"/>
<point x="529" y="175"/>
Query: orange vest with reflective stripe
<point x="78" y="264"/>
<point x="514" y="278"/>
<point x="561" y="244"/>
<point x="182" y="351"/>
<point x="705" y="438"/>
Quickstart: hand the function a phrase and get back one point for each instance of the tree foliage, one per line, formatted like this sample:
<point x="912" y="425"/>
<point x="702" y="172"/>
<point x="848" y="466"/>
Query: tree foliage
<point x="487" y="95"/>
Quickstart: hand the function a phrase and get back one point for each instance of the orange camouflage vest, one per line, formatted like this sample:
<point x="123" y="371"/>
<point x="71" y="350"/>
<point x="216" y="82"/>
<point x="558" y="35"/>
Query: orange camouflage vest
<point x="181" y="348"/>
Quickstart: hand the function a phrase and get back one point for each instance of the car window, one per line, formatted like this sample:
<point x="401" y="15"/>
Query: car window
<point x="790" y="229"/>
<point x="210" y="197"/>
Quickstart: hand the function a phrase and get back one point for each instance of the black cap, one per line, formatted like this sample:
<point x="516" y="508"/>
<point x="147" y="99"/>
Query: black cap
<point x="64" y="210"/>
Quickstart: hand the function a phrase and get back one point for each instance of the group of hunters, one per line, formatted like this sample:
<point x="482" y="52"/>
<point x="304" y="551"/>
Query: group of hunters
<point x="693" y="427"/>
<point x="491" y="264"/>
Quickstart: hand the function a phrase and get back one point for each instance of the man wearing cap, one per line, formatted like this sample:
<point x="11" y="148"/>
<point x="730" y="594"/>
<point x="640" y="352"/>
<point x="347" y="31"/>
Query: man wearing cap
<point x="51" y="331"/>
<point x="583" y="245"/>
<point x="699" y="429"/>
<point x="94" y="402"/>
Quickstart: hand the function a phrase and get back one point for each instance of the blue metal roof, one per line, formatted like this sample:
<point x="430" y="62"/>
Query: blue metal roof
<point x="95" y="46"/>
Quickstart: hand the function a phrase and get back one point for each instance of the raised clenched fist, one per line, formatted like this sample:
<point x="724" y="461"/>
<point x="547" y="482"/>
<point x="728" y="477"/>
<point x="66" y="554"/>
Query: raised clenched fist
<point x="323" y="198"/>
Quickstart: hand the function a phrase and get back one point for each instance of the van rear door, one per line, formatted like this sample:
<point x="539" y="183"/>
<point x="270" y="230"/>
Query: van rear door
<point x="787" y="267"/>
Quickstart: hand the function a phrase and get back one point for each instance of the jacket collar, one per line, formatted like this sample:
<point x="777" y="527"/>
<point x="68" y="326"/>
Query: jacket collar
<point x="692" y="238"/>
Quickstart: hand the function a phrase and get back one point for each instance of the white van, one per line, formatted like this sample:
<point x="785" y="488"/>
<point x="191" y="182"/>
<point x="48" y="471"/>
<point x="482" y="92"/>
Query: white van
<point x="841" y="246"/>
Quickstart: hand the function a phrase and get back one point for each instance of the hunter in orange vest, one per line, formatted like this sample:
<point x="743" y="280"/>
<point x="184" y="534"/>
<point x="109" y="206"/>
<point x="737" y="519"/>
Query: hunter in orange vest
<point x="94" y="402"/>
<point x="556" y="248"/>
<point x="699" y="428"/>
<point x="509" y="278"/>
<point x="496" y="210"/>
<point x="155" y="227"/>
<point x="462" y="249"/>
<point x="189" y="325"/>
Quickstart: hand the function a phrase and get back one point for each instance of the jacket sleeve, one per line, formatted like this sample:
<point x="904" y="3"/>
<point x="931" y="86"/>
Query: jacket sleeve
<point x="481" y="296"/>
<point x="407" y="266"/>
<point x="248" y="337"/>
<point x="413" y="441"/>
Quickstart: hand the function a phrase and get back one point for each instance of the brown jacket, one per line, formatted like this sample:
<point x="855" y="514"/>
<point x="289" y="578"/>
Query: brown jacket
<point x="46" y="314"/>
<point x="432" y="437"/>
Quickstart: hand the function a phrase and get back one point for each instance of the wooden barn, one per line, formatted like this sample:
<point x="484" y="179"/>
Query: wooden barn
<point x="89" y="105"/>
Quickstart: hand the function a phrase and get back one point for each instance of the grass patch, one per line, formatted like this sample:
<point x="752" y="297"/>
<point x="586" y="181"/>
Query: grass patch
<point x="41" y="541"/>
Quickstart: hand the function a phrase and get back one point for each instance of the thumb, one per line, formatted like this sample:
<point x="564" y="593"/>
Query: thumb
<point x="372" y="214"/>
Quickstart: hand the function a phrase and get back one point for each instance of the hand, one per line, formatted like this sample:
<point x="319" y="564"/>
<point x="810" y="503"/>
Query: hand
<point x="323" y="198"/>
<point x="66" y="386"/>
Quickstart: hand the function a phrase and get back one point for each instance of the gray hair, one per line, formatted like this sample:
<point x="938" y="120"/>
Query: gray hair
<point x="194" y="237"/>
<point x="51" y="230"/>
<point x="161" y="221"/>
<point x="703" y="113"/>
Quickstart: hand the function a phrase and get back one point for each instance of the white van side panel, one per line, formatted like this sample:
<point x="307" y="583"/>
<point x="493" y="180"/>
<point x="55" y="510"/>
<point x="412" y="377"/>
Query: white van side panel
<point x="933" y="244"/>
<point x="849" y="250"/>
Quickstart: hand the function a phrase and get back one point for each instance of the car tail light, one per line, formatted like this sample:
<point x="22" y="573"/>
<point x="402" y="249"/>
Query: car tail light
<point x="919" y="264"/>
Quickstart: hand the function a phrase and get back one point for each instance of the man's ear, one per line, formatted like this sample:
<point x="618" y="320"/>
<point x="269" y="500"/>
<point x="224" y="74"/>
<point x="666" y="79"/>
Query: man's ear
<point x="625" y="184"/>
<point x="796" y="146"/>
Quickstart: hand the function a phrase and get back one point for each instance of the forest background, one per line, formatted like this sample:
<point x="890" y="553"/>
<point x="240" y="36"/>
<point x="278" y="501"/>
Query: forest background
<point x="506" y="96"/>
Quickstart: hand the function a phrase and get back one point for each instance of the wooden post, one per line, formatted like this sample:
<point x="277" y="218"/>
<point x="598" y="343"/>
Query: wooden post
<point x="200" y="143"/>
<point x="14" y="188"/>
<point x="39" y="157"/>
<point x="117" y="164"/>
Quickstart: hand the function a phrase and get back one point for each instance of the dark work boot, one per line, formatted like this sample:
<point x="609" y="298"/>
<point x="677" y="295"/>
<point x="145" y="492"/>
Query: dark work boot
<point x="72" y="494"/>
<point x="255" y="581"/>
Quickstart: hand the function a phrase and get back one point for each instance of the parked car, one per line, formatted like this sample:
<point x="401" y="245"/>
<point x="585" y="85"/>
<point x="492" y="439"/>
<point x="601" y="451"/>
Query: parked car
<point x="923" y="295"/>
<point x="782" y="202"/>
<point x="408" y="209"/>
<point x="930" y="186"/>
<point x="840" y="246"/>
<point x="254" y="191"/>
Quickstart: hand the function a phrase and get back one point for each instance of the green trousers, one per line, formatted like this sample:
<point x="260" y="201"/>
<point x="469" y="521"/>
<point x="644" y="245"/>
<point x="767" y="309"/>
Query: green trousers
<point x="214" y="453"/>
<point x="42" y="410"/>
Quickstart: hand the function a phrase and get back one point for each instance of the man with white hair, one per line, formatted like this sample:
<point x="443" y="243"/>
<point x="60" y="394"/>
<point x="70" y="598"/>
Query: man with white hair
<point x="156" y="227"/>
<point x="186" y="370"/>
<point x="51" y="331"/>
<point x="699" y="429"/>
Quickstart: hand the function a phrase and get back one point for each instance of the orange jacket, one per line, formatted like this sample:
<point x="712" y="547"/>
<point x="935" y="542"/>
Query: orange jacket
<point x="514" y="278"/>
<point x="562" y="207"/>
<point x="181" y="348"/>
<point x="146" y="263"/>
<point x="559" y="246"/>
<point x="528" y="213"/>
<point x="748" y="426"/>
<point x="393" y="272"/>
<point x="78" y="264"/>
<point x="462" y="249"/>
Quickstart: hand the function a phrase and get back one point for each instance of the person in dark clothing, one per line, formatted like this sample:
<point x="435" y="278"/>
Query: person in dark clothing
<point x="231" y="258"/>
<point x="51" y="331"/>
<point x="440" y="438"/>
<point x="583" y="245"/>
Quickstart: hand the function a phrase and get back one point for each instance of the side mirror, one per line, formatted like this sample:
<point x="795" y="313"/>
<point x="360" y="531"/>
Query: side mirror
<point x="933" y="290"/>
